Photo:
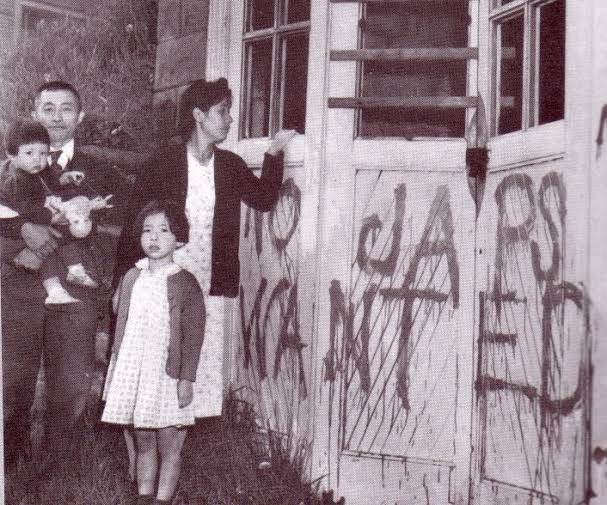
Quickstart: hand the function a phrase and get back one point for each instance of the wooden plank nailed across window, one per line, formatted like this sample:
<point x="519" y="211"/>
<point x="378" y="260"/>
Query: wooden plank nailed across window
<point x="414" y="53"/>
<point x="439" y="102"/>
<point x="442" y="2"/>
<point x="406" y="53"/>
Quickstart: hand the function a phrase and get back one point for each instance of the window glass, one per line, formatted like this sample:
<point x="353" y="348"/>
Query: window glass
<point x="552" y="62"/>
<point x="261" y="14"/>
<point x="413" y="26"/>
<point x="298" y="10"/>
<point x="510" y="79"/>
<point x="275" y="68"/>
<point x="295" y="82"/>
<point x="529" y="65"/>
<point x="31" y="18"/>
<point x="259" y="56"/>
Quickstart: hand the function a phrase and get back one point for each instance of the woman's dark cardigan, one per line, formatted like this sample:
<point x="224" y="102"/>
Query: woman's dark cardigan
<point x="165" y="176"/>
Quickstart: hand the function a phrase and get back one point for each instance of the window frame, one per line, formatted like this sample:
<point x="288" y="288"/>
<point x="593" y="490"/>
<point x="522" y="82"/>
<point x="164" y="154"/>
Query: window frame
<point x="535" y="144"/>
<point x="531" y="61"/>
<point x="470" y="83"/>
<point x="23" y="5"/>
<point x="278" y="34"/>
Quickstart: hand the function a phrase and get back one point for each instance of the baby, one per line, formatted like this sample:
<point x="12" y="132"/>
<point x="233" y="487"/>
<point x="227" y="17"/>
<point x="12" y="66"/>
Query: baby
<point x="26" y="190"/>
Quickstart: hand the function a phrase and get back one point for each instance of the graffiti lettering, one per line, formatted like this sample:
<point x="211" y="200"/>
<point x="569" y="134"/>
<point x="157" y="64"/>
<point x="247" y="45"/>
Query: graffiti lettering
<point x="291" y="195"/>
<point x="555" y="180"/>
<point x="260" y="341"/>
<point x="508" y="234"/>
<point x="338" y="313"/>
<point x="436" y="240"/>
<point x="555" y="294"/>
<point x="257" y="218"/>
<point x="440" y="216"/>
<point x="289" y="336"/>
<point x="289" y="339"/>
<point x="372" y="224"/>
<point x="360" y="357"/>
<point x="287" y="208"/>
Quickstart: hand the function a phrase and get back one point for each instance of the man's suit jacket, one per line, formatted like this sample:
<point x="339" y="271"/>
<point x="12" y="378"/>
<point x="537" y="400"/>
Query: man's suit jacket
<point x="98" y="180"/>
<point x="165" y="176"/>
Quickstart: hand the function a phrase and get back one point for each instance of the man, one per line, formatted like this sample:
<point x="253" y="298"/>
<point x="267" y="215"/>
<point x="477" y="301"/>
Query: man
<point x="69" y="329"/>
<point x="68" y="335"/>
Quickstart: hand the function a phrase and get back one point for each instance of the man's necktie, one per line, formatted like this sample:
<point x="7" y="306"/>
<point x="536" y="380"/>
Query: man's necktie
<point x="54" y="167"/>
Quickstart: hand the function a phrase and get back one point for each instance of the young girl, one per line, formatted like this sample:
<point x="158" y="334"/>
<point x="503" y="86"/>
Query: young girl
<point x="159" y="332"/>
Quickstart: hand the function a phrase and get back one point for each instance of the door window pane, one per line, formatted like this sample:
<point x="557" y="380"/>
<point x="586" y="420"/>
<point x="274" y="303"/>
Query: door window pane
<point x="551" y="100"/>
<point x="261" y="15"/>
<point x="529" y="65"/>
<point x="275" y="68"/>
<point x="259" y="62"/>
<point x="510" y="78"/>
<point x="298" y="10"/>
<point x="413" y="26"/>
<point x="295" y="81"/>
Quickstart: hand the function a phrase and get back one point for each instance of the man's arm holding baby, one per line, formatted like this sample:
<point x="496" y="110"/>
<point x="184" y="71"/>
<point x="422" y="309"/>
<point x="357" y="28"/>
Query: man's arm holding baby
<point x="41" y="239"/>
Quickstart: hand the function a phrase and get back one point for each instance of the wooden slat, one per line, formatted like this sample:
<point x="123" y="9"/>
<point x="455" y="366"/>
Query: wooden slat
<point x="442" y="2"/>
<point x="422" y="102"/>
<point x="441" y="102"/>
<point x="414" y="53"/>
<point x="406" y="53"/>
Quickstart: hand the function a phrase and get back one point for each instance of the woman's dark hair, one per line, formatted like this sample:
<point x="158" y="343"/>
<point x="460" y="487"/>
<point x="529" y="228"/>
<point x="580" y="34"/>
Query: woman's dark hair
<point x="25" y="131"/>
<point x="176" y="218"/>
<point x="202" y="94"/>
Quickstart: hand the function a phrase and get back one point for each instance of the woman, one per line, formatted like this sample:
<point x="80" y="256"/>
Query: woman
<point x="208" y="183"/>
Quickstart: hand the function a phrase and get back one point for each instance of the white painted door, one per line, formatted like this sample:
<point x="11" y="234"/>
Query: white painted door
<point x="402" y="316"/>
<point x="533" y="359"/>
<point x="396" y="302"/>
<point x="457" y="359"/>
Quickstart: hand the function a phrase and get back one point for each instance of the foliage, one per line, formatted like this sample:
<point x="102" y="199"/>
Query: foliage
<point x="109" y="59"/>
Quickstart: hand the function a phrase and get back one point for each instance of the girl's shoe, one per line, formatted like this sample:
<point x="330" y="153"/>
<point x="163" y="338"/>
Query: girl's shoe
<point x="145" y="499"/>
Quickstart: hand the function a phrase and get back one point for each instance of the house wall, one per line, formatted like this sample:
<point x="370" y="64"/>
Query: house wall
<point x="597" y="260"/>
<point x="180" y="53"/>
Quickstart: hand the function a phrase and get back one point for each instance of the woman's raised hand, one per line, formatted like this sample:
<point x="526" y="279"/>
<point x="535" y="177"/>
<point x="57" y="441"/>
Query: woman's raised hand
<point x="280" y="140"/>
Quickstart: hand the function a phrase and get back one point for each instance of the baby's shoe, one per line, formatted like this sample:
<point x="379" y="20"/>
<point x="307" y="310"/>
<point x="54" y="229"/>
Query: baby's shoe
<point x="59" y="296"/>
<point x="76" y="274"/>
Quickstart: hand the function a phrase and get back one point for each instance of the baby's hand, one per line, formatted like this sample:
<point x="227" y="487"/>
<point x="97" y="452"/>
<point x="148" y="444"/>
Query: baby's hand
<point x="27" y="259"/>
<point x="54" y="203"/>
<point x="72" y="177"/>
<point x="100" y="202"/>
<point x="185" y="392"/>
<point x="59" y="218"/>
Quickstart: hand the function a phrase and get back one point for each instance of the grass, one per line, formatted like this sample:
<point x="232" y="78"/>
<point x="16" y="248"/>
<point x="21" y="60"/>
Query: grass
<point x="226" y="461"/>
